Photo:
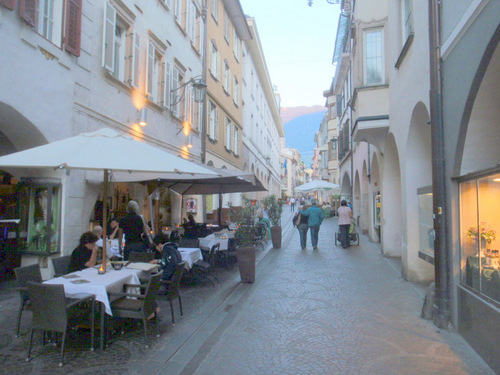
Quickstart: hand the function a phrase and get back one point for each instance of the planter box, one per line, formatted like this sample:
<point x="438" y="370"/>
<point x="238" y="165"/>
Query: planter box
<point x="246" y="263"/>
<point x="276" y="236"/>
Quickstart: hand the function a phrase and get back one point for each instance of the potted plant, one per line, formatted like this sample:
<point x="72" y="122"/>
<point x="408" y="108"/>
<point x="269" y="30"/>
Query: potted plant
<point x="484" y="232"/>
<point x="244" y="217"/>
<point x="274" y="210"/>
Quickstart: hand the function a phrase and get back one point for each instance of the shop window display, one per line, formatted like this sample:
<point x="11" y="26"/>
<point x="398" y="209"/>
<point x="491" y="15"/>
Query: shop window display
<point x="39" y="214"/>
<point x="479" y="226"/>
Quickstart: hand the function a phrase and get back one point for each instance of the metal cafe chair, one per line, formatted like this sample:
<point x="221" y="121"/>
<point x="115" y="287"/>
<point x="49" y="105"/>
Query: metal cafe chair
<point x="53" y="312"/>
<point x="61" y="265"/>
<point x="203" y="269"/>
<point x="141" y="306"/>
<point x="173" y="288"/>
<point x="23" y="275"/>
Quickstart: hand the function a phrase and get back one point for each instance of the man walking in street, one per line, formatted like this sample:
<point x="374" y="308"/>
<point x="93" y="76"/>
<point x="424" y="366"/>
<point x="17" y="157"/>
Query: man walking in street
<point x="316" y="216"/>
<point x="292" y="204"/>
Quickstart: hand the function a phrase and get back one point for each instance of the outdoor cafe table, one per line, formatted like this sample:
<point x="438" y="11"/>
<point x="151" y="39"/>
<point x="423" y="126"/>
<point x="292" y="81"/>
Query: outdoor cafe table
<point x="190" y="255"/>
<point x="88" y="281"/>
<point x="213" y="239"/>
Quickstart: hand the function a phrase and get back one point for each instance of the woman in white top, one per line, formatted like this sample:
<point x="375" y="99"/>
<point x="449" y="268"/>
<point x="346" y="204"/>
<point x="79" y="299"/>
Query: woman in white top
<point x="345" y="216"/>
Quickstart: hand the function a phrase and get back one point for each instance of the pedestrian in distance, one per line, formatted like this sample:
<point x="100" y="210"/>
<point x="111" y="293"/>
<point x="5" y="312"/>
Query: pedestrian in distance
<point x="292" y="204"/>
<point x="315" y="217"/>
<point x="300" y="221"/>
<point x="345" y="215"/>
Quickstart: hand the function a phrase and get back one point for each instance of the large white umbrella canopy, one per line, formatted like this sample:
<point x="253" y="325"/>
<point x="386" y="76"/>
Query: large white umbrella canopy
<point x="225" y="181"/>
<point x="99" y="150"/>
<point x="103" y="150"/>
<point x="316" y="185"/>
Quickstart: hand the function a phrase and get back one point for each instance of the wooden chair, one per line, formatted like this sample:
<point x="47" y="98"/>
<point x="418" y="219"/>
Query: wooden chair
<point x="142" y="306"/>
<point x="53" y="312"/>
<point x="61" y="265"/>
<point x="23" y="275"/>
<point x="173" y="288"/>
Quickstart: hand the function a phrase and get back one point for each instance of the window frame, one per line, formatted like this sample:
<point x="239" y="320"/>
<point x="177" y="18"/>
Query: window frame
<point x="366" y="33"/>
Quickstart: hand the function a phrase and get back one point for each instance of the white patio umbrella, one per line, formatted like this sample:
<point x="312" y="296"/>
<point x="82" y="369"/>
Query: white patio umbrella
<point x="226" y="181"/>
<point x="316" y="185"/>
<point x="103" y="150"/>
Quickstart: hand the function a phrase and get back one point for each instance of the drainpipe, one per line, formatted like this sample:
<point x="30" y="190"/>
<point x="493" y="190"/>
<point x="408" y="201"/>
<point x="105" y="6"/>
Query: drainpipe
<point x="205" y="102"/>
<point x="441" y="310"/>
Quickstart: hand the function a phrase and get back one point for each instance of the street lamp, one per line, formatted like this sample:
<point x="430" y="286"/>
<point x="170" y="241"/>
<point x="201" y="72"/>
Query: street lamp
<point x="200" y="89"/>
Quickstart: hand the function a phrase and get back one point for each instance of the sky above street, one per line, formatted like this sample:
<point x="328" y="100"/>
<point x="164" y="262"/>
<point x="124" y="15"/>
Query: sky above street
<point x="298" y="43"/>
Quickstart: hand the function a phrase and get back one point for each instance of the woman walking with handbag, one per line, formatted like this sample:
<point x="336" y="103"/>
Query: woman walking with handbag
<point x="301" y="222"/>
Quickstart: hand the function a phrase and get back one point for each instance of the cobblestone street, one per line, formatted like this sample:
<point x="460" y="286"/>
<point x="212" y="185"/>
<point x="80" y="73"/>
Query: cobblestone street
<point x="325" y="311"/>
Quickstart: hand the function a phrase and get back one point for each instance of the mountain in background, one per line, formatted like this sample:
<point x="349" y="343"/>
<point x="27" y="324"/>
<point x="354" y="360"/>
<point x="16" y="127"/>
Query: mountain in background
<point x="300" y="127"/>
<point x="289" y="113"/>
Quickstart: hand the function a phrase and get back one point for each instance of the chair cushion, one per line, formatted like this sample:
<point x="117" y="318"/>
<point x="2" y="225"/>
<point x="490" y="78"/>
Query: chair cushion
<point x="125" y="303"/>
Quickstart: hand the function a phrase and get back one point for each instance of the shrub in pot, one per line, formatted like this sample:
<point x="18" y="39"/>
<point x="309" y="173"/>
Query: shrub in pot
<point x="244" y="217"/>
<point x="274" y="210"/>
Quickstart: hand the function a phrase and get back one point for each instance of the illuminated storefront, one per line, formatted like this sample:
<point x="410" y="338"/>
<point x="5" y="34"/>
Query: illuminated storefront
<point x="479" y="225"/>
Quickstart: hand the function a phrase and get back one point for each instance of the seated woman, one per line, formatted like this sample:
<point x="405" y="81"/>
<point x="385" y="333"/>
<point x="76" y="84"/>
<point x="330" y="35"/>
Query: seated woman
<point x="85" y="254"/>
<point x="170" y="256"/>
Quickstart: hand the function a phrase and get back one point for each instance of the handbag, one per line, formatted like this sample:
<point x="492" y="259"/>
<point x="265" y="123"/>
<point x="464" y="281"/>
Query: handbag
<point x="146" y="233"/>
<point x="296" y="219"/>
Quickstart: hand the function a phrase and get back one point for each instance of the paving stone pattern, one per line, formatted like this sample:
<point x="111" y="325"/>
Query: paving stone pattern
<point x="325" y="311"/>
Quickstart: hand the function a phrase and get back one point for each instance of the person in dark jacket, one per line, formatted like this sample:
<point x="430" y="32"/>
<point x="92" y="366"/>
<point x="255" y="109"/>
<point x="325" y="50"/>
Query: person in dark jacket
<point x="132" y="226"/>
<point x="302" y="227"/>
<point x="170" y="256"/>
<point x="85" y="254"/>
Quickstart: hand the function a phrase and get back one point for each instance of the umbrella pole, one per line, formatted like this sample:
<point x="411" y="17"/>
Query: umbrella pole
<point x="220" y="209"/>
<point x="105" y="219"/>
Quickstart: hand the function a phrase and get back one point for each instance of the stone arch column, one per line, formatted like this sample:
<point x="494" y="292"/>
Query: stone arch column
<point x="365" y="200"/>
<point x="356" y="199"/>
<point x="417" y="174"/>
<point x="374" y="230"/>
<point x="391" y="228"/>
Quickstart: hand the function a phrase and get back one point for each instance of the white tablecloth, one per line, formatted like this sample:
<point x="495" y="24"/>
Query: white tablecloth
<point x="190" y="255"/>
<point x="213" y="239"/>
<point x="99" y="285"/>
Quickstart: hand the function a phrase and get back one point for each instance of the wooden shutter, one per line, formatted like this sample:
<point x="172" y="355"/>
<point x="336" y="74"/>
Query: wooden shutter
<point x="136" y="73"/>
<point x="150" y="69"/>
<point x="9" y="4"/>
<point x="168" y="82"/>
<point x="27" y="11"/>
<point x="108" y="46"/>
<point x="73" y="27"/>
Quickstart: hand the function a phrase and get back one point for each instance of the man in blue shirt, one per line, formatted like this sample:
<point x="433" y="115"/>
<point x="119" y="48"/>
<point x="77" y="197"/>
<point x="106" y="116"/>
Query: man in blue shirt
<point x="316" y="216"/>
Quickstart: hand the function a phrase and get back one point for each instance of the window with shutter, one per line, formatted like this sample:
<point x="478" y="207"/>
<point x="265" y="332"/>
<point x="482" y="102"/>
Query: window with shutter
<point x="9" y="4"/>
<point x="27" y="11"/>
<point x="73" y="27"/>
